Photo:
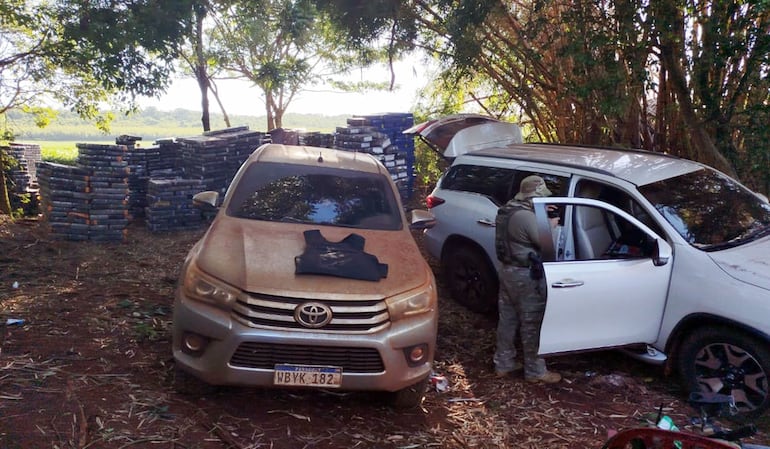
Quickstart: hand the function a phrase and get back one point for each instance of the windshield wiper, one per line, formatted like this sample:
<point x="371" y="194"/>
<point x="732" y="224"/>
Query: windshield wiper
<point x="753" y="233"/>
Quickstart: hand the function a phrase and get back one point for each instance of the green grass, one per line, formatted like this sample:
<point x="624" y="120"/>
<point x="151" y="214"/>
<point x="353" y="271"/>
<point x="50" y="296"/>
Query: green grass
<point x="58" y="151"/>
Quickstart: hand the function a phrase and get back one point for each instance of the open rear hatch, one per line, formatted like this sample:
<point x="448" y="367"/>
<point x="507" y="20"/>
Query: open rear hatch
<point x="457" y="134"/>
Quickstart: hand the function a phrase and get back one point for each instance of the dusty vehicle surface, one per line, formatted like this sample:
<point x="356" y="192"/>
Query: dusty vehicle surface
<point x="662" y="256"/>
<point x="308" y="276"/>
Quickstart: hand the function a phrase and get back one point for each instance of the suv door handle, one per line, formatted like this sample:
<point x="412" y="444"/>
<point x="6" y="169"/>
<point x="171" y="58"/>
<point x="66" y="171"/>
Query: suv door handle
<point x="486" y="222"/>
<point x="567" y="283"/>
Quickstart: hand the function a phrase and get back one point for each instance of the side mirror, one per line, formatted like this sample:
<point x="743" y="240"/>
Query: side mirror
<point x="422" y="219"/>
<point x="206" y="199"/>
<point x="661" y="253"/>
<point x="208" y="203"/>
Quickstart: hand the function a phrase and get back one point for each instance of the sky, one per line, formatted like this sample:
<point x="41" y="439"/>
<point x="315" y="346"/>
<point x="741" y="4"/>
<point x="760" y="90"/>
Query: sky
<point x="240" y="98"/>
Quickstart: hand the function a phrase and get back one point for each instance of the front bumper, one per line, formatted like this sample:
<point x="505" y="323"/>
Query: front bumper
<point x="236" y="354"/>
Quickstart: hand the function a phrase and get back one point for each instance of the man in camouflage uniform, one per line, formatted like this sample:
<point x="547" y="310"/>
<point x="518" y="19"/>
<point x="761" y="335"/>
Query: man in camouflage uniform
<point x="521" y="301"/>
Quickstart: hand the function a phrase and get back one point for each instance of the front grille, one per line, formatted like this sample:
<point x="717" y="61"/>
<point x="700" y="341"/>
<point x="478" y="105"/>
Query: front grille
<point x="266" y="356"/>
<point x="267" y="311"/>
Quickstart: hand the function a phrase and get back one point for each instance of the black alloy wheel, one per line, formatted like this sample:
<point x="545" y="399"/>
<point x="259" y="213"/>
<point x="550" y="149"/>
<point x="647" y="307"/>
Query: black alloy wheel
<point x="471" y="279"/>
<point x="725" y="361"/>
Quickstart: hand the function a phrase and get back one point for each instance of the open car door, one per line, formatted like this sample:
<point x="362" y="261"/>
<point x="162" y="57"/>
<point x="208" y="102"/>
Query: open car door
<point x="454" y="135"/>
<point x="614" y="292"/>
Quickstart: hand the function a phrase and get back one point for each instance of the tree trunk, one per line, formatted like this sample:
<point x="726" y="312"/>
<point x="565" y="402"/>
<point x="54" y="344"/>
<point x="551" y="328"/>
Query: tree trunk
<point x="704" y="147"/>
<point x="671" y="28"/>
<point x="201" y="74"/>
<point x="269" y="110"/>
<point x="215" y="92"/>
<point x="5" y="201"/>
<point x="203" y="85"/>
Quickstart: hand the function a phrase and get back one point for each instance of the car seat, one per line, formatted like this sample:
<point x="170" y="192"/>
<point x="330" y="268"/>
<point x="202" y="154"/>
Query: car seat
<point x="591" y="232"/>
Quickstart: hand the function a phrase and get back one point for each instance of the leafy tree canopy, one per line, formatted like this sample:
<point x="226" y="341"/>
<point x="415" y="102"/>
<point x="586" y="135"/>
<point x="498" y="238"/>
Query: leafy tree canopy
<point x="83" y="53"/>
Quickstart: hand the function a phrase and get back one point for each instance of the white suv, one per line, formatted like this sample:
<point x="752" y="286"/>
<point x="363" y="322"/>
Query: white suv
<point x="662" y="256"/>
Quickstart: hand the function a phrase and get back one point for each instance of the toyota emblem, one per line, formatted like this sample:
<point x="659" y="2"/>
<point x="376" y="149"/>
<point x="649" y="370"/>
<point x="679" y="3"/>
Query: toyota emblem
<point x="313" y="314"/>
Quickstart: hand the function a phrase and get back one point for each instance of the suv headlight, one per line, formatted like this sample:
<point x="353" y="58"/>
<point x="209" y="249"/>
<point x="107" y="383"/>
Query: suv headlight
<point x="202" y="287"/>
<point x="411" y="303"/>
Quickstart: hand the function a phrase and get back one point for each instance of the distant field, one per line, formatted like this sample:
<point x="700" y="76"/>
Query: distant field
<point x="58" y="140"/>
<point x="62" y="152"/>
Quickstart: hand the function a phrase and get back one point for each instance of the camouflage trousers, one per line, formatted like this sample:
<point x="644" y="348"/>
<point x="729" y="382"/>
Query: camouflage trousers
<point x="521" y="307"/>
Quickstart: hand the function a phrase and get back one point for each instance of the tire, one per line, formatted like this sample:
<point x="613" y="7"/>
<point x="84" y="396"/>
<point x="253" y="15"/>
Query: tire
<point x="726" y="361"/>
<point x="409" y="397"/>
<point x="471" y="279"/>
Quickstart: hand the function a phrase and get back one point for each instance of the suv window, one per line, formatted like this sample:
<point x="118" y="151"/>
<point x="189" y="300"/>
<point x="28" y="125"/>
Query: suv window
<point x="601" y="234"/>
<point x="558" y="185"/>
<point x="619" y="199"/>
<point x="315" y="195"/>
<point x="489" y="181"/>
<point x="499" y="184"/>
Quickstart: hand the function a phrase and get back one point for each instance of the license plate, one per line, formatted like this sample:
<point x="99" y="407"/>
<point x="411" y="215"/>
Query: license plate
<point x="307" y="376"/>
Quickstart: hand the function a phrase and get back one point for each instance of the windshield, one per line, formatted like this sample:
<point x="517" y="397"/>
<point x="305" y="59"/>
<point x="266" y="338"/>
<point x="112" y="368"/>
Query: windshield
<point x="315" y="195"/>
<point x="710" y="210"/>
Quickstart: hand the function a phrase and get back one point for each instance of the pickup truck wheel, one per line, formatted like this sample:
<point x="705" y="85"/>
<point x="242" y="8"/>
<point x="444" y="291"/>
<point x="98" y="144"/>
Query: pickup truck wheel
<point x="725" y="361"/>
<point x="409" y="397"/>
<point x="472" y="281"/>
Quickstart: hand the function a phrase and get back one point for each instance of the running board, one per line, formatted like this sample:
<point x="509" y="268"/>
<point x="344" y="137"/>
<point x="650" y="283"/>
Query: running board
<point x="648" y="355"/>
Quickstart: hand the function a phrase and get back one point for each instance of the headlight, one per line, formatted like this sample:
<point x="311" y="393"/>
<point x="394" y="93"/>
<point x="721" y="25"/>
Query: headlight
<point x="202" y="287"/>
<point x="412" y="303"/>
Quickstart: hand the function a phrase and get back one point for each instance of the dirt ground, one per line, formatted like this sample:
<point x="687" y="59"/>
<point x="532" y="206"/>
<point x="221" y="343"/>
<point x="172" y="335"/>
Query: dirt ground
<point x="91" y="367"/>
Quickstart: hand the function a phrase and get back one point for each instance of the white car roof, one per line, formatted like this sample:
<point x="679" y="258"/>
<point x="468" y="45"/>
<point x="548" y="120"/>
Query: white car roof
<point x="636" y="166"/>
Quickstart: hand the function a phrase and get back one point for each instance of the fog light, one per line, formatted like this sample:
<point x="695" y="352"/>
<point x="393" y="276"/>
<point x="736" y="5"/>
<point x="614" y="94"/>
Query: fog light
<point x="193" y="343"/>
<point x="416" y="355"/>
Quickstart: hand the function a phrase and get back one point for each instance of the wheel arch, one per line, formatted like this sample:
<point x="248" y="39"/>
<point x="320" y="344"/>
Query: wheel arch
<point x="697" y="320"/>
<point x="455" y="241"/>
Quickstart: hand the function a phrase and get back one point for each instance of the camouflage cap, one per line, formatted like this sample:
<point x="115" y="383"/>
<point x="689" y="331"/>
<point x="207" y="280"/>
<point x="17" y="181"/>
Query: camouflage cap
<point x="530" y="187"/>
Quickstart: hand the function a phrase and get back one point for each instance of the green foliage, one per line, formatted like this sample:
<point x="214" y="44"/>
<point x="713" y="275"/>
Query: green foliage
<point x="359" y="86"/>
<point x="428" y="167"/>
<point x="6" y="135"/>
<point x="41" y="115"/>
<point x="83" y="54"/>
<point x="284" y="46"/>
<point x="59" y="152"/>
<point x="366" y="26"/>
<point x="7" y="162"/>
<point x="610" y="73"/>
<point x="126" y="45"/>
<point x="463" y="20"/>
<point x="274" y="44"/>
